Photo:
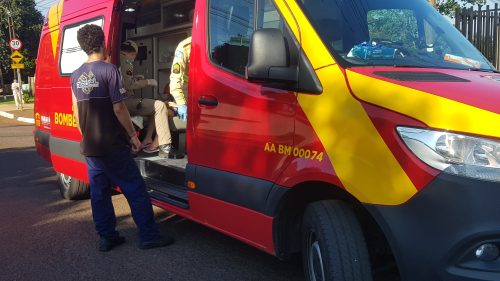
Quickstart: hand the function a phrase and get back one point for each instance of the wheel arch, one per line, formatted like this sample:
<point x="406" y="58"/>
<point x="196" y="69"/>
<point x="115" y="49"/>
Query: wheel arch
<point x="288" y="221"/>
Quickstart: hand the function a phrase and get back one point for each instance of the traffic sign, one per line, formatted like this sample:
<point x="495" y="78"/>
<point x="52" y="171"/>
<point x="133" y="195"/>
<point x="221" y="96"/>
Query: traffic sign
<point x="15" y="44"/>
<point x="17" y="66"/>
<point x="17" y="57"/>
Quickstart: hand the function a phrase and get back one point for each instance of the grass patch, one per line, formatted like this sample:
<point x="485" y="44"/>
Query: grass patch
<point x="9" y="100"/>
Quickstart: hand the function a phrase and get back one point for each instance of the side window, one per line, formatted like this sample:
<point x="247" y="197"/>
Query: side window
<point x="72" y="56"/>
<point x="269" y="17"/>
<point x="231" y="27"/>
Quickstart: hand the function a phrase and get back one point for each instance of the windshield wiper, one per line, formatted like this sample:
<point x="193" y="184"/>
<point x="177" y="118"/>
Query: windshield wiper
<point x="483" y="70"/>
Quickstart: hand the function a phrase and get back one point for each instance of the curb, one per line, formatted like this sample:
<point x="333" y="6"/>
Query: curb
<point x="20" y="119"/>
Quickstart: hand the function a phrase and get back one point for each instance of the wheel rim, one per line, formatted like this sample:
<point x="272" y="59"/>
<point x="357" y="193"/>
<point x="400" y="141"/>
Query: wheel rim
<point x="65" y="180"/>
<point x="315" y="259"/>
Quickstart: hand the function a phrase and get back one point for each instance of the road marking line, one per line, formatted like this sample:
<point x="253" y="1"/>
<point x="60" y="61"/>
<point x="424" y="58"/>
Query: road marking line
<point x="20" y="119"/>
<point x="7" y="115"/>
<point x="26" y="120"/>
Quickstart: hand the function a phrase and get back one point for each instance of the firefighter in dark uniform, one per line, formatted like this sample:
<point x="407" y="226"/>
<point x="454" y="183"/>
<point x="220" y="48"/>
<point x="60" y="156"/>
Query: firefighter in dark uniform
<point x="144" y="107"/>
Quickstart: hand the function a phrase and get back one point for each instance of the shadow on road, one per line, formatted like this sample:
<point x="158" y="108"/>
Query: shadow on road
<point x="44" y="237"/>
<point x="23" y="164"/>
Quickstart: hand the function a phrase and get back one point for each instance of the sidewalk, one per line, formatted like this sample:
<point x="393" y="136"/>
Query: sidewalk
<point x="8" y="110"/>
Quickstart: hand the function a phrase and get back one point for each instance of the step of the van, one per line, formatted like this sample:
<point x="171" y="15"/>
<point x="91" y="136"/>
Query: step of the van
<point x="167" y="192"/>
<point x="166" y="170"/>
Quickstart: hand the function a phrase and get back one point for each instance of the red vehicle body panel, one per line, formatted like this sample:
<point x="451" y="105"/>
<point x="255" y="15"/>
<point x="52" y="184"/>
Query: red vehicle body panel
<point x="53" y="97"/>
<point x="385" y="121"/>
<point x="245" y="118"/>
<point x="241" y="223"/>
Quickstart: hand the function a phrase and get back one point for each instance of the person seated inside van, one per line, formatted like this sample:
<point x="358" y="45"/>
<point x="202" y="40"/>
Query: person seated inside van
<point x="177" y="90"/>
<point x="171" y="112"/>
<point x="142" y="106"/>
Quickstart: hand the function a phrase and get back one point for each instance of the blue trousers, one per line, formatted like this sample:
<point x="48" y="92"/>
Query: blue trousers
<point x="119" y="168"/>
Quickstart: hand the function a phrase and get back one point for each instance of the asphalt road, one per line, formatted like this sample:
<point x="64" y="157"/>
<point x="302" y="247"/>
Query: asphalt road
<point x="43" y="237"/>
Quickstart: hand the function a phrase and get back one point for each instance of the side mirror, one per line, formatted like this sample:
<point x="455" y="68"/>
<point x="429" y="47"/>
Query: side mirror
<point x="271" y="63"/>
<point x="269" y="58"/>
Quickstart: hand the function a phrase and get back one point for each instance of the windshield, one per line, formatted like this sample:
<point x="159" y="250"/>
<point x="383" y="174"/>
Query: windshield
<point x="391" y="32"/>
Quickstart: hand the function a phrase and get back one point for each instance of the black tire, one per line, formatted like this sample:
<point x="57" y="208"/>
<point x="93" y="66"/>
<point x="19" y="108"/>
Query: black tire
<point x="333" y="245"/>
<point x="72" y="189"/>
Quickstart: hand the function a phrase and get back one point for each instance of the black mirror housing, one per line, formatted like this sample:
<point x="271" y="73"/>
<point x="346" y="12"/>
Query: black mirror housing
<point x="268" y="59"/>
<point x="269" y="63"/>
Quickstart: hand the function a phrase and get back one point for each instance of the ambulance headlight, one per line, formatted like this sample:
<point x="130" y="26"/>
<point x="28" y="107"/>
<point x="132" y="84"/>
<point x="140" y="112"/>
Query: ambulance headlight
<point x="455" y="154"/>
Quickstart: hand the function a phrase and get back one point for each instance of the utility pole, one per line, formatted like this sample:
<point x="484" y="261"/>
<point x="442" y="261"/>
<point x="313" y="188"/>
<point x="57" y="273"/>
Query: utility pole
<point x="12" y="34"/>
<point x="1" y="76"/>
<point x="15" y="36"/>
<point x="2" y="85"/>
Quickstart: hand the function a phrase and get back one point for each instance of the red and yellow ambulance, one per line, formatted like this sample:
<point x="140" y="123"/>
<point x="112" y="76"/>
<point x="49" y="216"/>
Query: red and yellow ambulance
<point x="361" y="134"/>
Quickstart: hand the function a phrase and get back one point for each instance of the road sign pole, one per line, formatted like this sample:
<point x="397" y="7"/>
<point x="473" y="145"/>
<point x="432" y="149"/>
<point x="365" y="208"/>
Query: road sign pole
<point x="10" y="24"/>
<point x="20" y="87"/>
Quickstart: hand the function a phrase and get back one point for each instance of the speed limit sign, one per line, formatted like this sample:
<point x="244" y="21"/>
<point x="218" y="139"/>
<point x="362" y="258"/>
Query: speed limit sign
<point x="15" y="44"/>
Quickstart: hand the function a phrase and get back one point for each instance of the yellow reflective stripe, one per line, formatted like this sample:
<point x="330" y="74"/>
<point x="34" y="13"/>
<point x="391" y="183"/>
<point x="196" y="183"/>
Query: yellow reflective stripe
<point x="433" y="110"/>
<point x="305" y="29"/>
<point x="288" y="17"/>
<point x="55" y="14"/>
<point x="363" y="162"/>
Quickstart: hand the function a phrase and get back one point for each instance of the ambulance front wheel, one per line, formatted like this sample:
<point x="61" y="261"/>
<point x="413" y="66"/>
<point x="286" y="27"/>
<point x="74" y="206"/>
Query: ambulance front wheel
<point x="72" y="189"/>
<point x="333" y="245"/>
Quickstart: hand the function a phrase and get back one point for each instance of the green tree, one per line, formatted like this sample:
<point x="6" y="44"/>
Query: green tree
<point x="448" y="7"/>
<point x="28" y="23"/>
<point x="397" y="26"/>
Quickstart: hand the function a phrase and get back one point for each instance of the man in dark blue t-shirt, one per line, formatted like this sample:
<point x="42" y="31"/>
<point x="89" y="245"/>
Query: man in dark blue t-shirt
<point x="107" y="137"/>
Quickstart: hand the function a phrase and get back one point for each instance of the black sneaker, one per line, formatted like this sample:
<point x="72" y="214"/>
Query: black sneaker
<point x="165" y="150"/>
<point x="106" y="244"/>
<point x="159" y="242"/>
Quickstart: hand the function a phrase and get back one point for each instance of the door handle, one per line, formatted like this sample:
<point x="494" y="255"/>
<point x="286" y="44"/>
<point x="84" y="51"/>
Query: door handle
<point x="209" y="101"/>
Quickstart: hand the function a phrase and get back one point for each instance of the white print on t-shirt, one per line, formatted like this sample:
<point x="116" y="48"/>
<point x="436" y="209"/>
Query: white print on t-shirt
<point x="87" y="82"/>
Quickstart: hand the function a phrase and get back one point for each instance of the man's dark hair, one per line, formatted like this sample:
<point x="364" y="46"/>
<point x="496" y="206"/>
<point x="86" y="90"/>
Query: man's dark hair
<point x="91" y="38"/>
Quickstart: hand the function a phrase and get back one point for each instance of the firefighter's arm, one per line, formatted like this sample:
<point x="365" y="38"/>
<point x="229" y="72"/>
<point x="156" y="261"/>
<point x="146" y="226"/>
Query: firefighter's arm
<point x="176" y="77"/>
<point x="75" y="111"/>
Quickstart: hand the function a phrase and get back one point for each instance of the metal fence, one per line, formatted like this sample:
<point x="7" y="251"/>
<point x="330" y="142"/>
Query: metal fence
<point x="481" y="26"/>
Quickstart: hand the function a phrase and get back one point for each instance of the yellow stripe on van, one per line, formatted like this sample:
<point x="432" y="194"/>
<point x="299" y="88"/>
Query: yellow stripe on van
<point x="433" y="110"/>
<point x="287" y="14"/>
<point x="305" y="34"/>
<point x="55" y="13"/>
<point x="364" y="164"/>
